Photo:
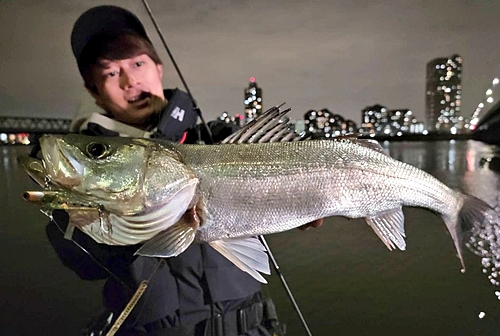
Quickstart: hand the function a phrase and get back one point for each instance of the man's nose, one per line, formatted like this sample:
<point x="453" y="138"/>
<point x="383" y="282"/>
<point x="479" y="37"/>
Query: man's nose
<point x="128" y="79"/>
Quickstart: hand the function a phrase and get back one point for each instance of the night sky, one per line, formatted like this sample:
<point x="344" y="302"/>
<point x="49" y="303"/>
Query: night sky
<point x="340" y="55"/>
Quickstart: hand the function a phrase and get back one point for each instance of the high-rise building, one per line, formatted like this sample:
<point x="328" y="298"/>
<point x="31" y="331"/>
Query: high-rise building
<point x="253" y="100"/>
<point x="328" y="124"/>
<point x="373" y="119"/>
<point x="443" y="97"/>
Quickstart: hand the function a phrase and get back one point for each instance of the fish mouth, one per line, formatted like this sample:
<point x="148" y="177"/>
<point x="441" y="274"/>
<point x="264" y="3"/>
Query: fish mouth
<point x="53" y="200"/>
<point x="53" y="168"/>
<point x="35" y="169"/>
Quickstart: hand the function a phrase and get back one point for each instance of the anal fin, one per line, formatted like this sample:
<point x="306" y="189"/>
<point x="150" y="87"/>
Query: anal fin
<point x="247" y="253"/>
<point x="389" y="227"/>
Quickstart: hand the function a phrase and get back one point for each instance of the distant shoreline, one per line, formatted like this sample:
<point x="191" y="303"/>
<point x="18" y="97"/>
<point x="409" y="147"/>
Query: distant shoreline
<point x="422" y="137"/>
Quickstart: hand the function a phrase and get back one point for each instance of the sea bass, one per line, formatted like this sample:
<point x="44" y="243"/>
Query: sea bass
<point x="125" y="191"/>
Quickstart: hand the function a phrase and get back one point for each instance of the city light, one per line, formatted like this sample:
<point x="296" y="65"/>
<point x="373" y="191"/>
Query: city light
<point x="253" y="100"/>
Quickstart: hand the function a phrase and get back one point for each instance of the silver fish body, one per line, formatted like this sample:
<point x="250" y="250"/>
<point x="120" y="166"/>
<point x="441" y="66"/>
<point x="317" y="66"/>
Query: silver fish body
<point x="168" y="195"/>
<point x="267" y="188"/>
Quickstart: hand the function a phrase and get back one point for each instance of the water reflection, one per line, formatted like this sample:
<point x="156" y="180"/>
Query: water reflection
<point x="456" y="163"/>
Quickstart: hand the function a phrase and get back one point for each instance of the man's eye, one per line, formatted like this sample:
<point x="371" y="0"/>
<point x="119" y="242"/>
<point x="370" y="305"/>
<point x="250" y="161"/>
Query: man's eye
<point x="139" y="63"/>
<point x="112" y="74"/>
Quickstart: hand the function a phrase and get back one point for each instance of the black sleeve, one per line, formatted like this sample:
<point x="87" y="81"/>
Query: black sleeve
<point x="88" y="259"/>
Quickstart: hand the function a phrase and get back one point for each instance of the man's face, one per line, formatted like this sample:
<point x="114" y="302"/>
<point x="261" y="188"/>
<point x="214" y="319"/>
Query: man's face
<point x="129" y="89"/>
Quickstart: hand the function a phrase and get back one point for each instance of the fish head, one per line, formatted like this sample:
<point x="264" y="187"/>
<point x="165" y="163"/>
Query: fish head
<point x="121" y="176"/>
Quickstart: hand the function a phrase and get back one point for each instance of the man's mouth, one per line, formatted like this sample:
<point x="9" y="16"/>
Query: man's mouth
<point x="141" y="100"/>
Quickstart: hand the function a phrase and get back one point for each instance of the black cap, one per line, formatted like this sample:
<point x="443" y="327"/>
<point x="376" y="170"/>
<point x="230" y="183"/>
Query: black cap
<point x="103" y="19"/>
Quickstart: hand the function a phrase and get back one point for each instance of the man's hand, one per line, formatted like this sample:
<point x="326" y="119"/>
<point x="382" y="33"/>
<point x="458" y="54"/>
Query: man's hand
<point x="315" y="224"/>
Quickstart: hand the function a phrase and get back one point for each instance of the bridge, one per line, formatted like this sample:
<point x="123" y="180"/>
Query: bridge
<point x="485" y="121"/>
<point x="19" y="130"/>
<point x="10" y="125"/>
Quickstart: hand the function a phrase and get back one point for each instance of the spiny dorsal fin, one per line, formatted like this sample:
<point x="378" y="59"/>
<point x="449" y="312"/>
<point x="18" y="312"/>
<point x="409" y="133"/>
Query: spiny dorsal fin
<point x="268" y="127"/>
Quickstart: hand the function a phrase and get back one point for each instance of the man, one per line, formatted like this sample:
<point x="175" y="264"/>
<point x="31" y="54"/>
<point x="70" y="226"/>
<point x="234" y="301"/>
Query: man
<point x="199" y="292"/>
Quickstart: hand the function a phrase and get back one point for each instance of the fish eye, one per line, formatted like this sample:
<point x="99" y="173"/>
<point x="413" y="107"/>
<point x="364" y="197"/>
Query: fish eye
<point x="96" y="150"/>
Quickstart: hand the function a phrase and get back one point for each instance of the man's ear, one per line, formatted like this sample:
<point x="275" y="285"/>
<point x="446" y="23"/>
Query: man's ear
<point x="160" y="70"/>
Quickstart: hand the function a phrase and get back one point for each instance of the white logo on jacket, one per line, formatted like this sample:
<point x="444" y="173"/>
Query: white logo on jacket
<point x="178" y="113"/>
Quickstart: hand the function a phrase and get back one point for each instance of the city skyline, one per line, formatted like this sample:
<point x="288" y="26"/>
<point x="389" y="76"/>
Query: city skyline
<point x="309" y="54"/>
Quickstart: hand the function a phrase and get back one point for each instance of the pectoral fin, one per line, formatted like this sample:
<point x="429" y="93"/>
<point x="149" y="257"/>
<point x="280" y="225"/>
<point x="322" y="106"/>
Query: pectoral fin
<point x="173" y="241"/>
<point x="389" y="227"/>
<point x="247" y="253"/>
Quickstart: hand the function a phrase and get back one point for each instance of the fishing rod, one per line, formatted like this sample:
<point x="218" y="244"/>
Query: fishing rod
<point x="195" y="105"/>
<point x="285" y="284"/>
<point x="197" y="109"/>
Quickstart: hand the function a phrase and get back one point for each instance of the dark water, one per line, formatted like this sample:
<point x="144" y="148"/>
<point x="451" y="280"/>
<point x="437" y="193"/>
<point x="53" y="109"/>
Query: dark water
<point x="344" y="279"/>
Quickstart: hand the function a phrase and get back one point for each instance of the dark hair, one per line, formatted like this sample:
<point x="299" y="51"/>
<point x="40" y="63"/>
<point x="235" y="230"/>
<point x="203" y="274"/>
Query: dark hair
<point x="117" y="46"/>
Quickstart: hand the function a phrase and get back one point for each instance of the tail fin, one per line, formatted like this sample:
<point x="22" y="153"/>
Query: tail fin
<point x="473" y="217"/>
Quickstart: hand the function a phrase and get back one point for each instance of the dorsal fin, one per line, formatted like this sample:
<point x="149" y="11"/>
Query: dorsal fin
<point x="271" y="126"/>
<point x="372" y="144"/>
<point x="368" y="143"/>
